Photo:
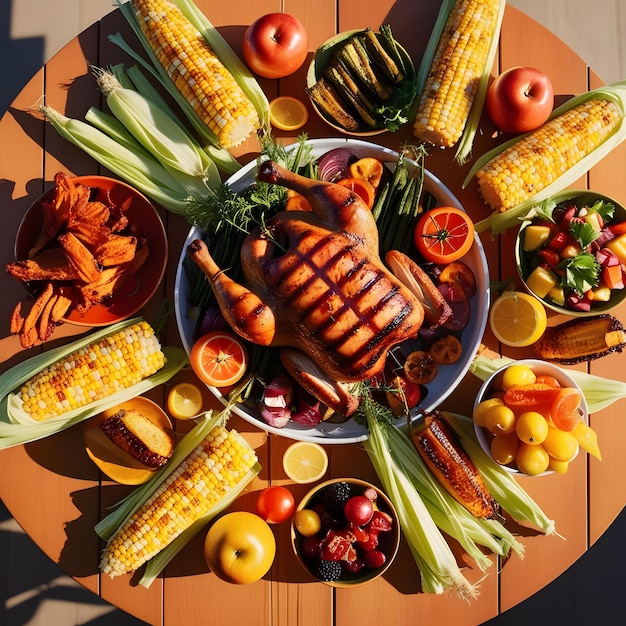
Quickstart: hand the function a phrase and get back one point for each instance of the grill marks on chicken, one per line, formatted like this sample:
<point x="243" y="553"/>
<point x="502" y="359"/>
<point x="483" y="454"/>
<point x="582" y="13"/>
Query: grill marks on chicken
<point x="314" y="281"/>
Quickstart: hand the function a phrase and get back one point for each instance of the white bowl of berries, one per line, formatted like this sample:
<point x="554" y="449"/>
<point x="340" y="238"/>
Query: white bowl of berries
<point x="345" y="532"/>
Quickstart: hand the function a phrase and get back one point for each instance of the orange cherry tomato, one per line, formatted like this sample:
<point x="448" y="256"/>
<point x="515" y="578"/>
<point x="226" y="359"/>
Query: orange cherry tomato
<point x="219" y="358"/>
<point x="361" y="187"/>
<point x="446" y="350"/>
<point x="444" y="234"/>
<point x="369" y="168"/>
<point x="420" y="367"/>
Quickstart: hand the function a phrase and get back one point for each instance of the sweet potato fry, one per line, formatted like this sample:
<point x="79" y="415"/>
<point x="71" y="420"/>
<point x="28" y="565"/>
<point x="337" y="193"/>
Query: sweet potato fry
<point x="117" y="250"/>
<point x="45" y="327"/>
<point x="91" y="234"/>
<point x="30" y="321"/>
<point x="49" y="264"/>
<point x="80" y="257"/>
<point x="62" y="304"/>
<point x="17" y="320"/>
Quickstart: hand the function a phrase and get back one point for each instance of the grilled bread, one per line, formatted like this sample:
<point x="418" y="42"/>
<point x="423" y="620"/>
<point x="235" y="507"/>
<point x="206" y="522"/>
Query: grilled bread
<point x="145" y="441"/>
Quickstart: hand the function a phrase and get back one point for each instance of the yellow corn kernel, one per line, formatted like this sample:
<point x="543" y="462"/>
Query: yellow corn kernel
<point x="455" y="73"/>
<point x="197" y="72"/>
<point x="93" y="372"/>
<point x="185" y="496"/>
<point x="539" y="158"/>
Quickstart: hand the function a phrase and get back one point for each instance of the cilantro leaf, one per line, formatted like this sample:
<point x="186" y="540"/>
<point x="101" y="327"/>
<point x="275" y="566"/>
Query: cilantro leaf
<point x="604" y="209"/>
<point x="583" y="232"/>
<point x="581" y="272"/>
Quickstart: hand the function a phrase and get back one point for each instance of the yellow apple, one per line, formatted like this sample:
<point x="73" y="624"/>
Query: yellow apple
<point x="240" y="548"/>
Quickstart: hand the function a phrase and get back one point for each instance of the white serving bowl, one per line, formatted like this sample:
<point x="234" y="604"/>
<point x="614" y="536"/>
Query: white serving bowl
<point x="448" y="378"/>
<point x="539" y="367"/>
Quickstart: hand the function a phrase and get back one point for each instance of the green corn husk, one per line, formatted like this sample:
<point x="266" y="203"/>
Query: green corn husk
<point x="499" y="222"/>
<point x="599" y="392"/>
<point x="464" y="147"/>
<point x="124" y="509"/>
<point x="16" y="427"/>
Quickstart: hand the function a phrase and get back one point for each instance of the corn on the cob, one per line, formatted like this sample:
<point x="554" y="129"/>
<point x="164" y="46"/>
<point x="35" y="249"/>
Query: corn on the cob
<point x="215" y="467"/>
<point x="539" y="158"/>
<point x="94" y="372"/>
<point x="197" y="71"/>
<point x="581" y="340"/>
<point x="456" y="71"/>
<point x="443" y="454"/>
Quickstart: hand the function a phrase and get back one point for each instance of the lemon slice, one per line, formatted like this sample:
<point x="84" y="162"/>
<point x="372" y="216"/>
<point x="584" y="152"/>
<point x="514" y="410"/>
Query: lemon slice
<point x="287" y="113"/>
<point x="184" y="401"/>
<point x="517" y="319"/>
<point x="305" y="462"/>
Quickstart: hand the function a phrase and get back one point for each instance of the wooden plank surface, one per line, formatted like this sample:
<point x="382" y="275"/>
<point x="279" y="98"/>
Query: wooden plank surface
<point x="73" y="494"/>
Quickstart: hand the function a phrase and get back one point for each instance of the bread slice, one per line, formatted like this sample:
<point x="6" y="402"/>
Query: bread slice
<point x="145" y="441"/>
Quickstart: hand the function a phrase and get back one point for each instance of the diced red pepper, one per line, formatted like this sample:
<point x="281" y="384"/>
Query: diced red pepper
<point x="334" y="547"/>
<point x="618" y="228"/>
<point x="559" y="241"/>
<point x="550" y="257"/>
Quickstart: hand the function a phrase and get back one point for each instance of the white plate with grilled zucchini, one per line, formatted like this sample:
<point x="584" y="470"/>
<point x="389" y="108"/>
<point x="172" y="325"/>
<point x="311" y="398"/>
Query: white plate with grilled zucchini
<point x="348" y="431"/>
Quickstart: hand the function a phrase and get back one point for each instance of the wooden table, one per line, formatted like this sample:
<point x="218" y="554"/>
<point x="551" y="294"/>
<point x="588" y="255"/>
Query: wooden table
<point x="56" y="493"/>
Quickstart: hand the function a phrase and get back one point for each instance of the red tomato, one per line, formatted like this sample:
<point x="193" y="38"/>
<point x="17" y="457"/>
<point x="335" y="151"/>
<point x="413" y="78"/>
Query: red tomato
<point x="275" y="504"/>
<point x="407" y="396"/>
<point x="275" y="45"/>
<point x="520" y="99"/>
<point x="444" y="234"/>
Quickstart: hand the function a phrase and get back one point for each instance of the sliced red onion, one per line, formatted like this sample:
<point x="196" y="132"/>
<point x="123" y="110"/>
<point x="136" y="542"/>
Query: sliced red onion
<point x="335" y="164"/>
<point x="212" y="320"/>
<point x="277" y="417"/>
<point x="308" y="411"/>
<point x="280" y="386"/>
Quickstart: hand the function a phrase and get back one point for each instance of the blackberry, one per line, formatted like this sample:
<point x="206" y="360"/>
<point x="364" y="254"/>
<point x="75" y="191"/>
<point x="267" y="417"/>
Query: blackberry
<point x="328" y="571"/>
<point x="336" y="496"/>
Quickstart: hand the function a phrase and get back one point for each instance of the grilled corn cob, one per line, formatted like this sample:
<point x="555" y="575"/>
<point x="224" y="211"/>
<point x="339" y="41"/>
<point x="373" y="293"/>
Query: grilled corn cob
<point x="93" y="372"/>
<point x="583" y="339"/>
<point x="197" y="71"/>
<point x="539" y="158"/>
<point x="458" y="66"/>
<point x="221" y="461"/>
<point x="441" y="450"/>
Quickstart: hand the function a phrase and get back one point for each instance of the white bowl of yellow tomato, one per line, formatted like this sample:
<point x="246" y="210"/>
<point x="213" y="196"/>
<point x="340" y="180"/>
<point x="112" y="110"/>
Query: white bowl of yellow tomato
<point x="531" y="418"/>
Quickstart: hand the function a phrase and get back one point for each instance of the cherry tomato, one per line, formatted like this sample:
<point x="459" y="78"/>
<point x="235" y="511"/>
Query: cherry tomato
<point x="407" y="396"/>
<point x="444" y="234"/>
<point x="219" y="358"/>
<point x="275" y="504"/>
<point x="446" y="350"/>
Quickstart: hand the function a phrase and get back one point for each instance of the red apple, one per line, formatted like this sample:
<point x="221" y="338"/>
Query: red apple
<point x="240" y="548"/>
<point x="520" y="99"/>
<point x="275" y="45"/>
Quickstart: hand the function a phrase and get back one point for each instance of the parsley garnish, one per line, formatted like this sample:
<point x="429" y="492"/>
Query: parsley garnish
<point x="581" y="272"/>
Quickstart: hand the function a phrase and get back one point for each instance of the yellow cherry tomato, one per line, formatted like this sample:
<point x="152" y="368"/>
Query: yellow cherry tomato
<point x="481" y="410"/>
<point x="500" y="420"/>
<point x="518" y="374"/>
<point x="531" y="427"/>
<point x="504" y="448"/>
<point x="560" y="444"/>
<point x="532" y="460"/>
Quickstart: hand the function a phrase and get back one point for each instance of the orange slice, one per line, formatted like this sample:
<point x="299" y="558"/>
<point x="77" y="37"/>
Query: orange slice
<point x="564" y="410"/>
<point x="288" y="113"/>
<point x="219" y="358"/>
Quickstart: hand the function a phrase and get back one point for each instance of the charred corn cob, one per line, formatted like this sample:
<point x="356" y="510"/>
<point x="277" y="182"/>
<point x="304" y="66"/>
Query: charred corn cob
<point x="197" y="71"/>
<point x="93" y="372"/>
<point x="443" y="454"/>
<point x="214" y="468"/>
<point x="538" y="159"/>
<point x="458" y="66"/>
<point x="582" y="339"/>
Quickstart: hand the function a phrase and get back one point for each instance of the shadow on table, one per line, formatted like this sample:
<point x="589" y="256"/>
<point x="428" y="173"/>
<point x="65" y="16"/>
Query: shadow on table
<point x="30" y="581"/>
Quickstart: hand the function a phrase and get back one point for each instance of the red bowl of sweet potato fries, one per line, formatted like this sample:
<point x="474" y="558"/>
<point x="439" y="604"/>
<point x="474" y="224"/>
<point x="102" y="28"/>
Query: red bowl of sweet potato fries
<point x="91" y="251"/>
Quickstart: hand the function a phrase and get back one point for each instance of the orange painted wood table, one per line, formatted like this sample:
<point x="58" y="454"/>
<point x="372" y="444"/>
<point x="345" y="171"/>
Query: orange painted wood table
<point x="57" y="494"/>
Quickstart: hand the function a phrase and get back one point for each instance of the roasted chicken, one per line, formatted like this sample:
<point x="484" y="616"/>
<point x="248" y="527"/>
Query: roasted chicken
<point x="316" y="285"/>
